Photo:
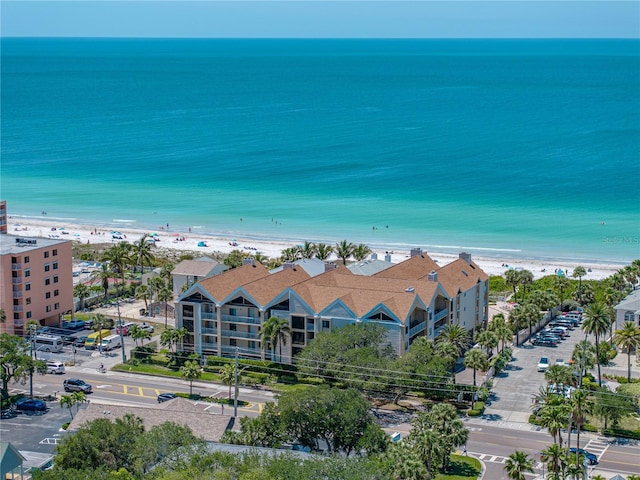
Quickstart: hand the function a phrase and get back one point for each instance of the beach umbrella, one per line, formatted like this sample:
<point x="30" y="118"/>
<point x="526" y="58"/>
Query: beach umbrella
<point x="153" y="234"/>
<point x="76" y="234"/>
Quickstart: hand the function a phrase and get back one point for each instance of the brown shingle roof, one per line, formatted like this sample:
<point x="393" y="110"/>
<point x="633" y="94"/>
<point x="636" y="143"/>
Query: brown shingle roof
<point x="413" y="268"/>
<point x="222" y="285"/>
<point x="265" y="289"/>
<point x="199" y="417"/>
<point x="197" y="268"/>
<point x="459" y="275"/>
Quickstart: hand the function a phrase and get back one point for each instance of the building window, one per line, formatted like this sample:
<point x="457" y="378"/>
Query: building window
<point x="55" y="252"/>
<point x="27" y="272"/>
<point x="26" y="259"/>
<point x="47" y="267"/>
<point x="48" y="308"/>
<point x="14" y="259"/>
<point x="55" y="279"/>
<point x="233" y="327"/>
<point x="28" y="314"/>
<point x="47" y="281"/>
<point x="16" y="316"/>
<point x="297" y="323"/>
<point x="326" y="325"/>
<point x="232" y="342"/>
<point x="55" y="265"/>
<point x="57" y="306"/>
<point x="56" y="293"/>
<point x="27" y="301"/>
<point x="16" y="302"/>
<point x="47" y="295"/>
<point x="27" y="287"/>
<point x="46" y="254"/>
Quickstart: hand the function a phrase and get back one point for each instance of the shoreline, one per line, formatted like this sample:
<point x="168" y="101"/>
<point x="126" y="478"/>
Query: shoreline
<point x="186" y="241"/>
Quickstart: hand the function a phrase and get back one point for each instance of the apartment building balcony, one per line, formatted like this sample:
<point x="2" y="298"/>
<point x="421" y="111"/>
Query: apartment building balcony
<point x="16" y="280"/>
<point x="239" y="334"/>
<point x="208" y="316"/>
<point x="417" y="329"/>
<point x="209" y="345"/>
<point x="209" y="331"/>
<point x="16" y="266"/>
<point x="239" y="319"/>
<point x="440" y="314"/>
<point x="17" y="294"/>
<point x="17" y="308"/>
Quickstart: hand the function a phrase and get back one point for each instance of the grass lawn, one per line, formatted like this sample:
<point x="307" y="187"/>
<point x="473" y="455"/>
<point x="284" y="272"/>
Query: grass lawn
<point x="461" y="468"/>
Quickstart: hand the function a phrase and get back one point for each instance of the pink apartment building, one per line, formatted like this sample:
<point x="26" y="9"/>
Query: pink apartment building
<point x="36" y="281"/>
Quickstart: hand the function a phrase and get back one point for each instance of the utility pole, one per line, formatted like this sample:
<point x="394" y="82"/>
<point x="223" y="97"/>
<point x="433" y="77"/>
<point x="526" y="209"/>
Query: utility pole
<point x="32" y="332"/>
<point x="235" y="381"/>
<point x="124" y="355"/>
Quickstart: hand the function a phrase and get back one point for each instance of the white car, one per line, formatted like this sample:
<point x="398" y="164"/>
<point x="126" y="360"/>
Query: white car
<point x="543" y="364"/>
<point x="560" y="362"/>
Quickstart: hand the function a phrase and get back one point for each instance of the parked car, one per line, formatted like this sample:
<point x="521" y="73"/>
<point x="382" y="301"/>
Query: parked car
<point x="559" y="331"/>
<point x="543" y="364"/>
<point x="146" y="327"/>
<point x="55" y="367"/>
<point x="560" y="362"/>
<point x="125" y="328"/>
<point x="67" y="339"/>
<point x="76" y="385"/>
<point x="31" y="405"/>
<point x="591" y="457"/>
<point x="79" y="342"/>
<point x="73" y="324"/>
<point x="164" y="397"/>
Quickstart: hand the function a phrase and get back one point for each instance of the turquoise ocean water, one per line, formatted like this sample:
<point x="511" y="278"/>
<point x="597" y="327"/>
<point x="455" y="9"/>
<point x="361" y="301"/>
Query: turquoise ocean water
<point x="504" y="148"/>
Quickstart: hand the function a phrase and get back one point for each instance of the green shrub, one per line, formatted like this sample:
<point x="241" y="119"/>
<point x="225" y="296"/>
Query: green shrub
<point x="587" y="427"/>
<point x="474" y="413"/>
<point x="534" y="420"/>
<point x="620" y="432"/>
<point x="161" y="360"/>
<point x="65" y="425"/>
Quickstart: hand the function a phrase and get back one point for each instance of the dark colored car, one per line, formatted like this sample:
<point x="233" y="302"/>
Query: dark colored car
<point x="591" y="457"/>
<point x="79" y="342"/>
<point x="163" y="397"/>
<point x="31" y="405"/>
<point x="76" y="385"/>
<point x="74" y="324"/>
<point x="68" y="340"/>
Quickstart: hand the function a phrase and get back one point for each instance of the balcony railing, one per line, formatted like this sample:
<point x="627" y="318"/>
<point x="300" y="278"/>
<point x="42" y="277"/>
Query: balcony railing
<point x="417" y="329"/>
<point x="208" y="316"/>
<point x="238" y="334"/>
<point x="229" y="350"/>
<point x="209" y="331"/>
<point x="17" y="308"/>
<point x="238" y="319"/>
<point x="210" y="345"/>
<point x="16" y="266"/>
<point x="16" y="281"/>
<point x="439" y="330"/>
<point x="440" y="314"/>
<point x="17" y="294"/>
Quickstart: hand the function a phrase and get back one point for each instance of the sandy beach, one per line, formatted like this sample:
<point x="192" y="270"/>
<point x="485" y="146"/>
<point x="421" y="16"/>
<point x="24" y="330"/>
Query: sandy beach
<point x="209" y="244"/>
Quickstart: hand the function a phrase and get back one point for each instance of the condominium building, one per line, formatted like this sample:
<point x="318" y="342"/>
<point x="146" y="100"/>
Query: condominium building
<point x="415" y="298"/>
<point x="3" y="217"/>
<point x="36" y="281"/>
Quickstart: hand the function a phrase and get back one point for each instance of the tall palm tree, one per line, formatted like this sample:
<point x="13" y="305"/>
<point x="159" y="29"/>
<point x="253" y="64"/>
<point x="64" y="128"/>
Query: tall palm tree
<point x="517" y="464"/>
<point x="628" y="338"/>
<point x="344" y="250"/>
<point x="499" y="326"/>
<point x="274" y="332"/>
<point x="512" y="280"/>
<point x="190" y="371"/>
<point x="449" y="352"/>
<point x="526" y="315"/>
<point x="290" y="254"/>
<point x="308" y="250"/>
<point x="477" y="360"/>
<point x="141" y="253"/>
<point x="100" y="322"/>
<point x="596" y="322"/>
<point x="487" y="339"/>
<point x="525" y="278"/>
<point x="323" y="251"/>
<point x="554" y="418"/>
<point x="562" y="283"/>
<point x="103" y="275"/>
<point x="455" y="334"/>
<point x="165" y="295"/>
<point x="556" y="459"/>
<point x="578" y="273"/>
<point x="228" y="375"/>
<point x="142" y="293"/>
<point x="119" y="258"/>
<point x="579" y="404"/>
<point x="81" y="291"/>
<point x="361" y="251"/>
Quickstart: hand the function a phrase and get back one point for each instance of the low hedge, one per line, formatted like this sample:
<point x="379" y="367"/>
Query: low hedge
<point x="620" y="432"/>
<point x="477" y="410"/>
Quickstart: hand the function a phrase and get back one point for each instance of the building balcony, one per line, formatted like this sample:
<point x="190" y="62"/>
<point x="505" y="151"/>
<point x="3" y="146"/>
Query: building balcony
<point x="17" y="294"/>
<point x="209" y="331"/>
<point x="208" y="316"/>
<point x="239" y="334"/>
<point x="16" y="266"/>
<point x="239" y="319"/>
<point x="209" y="345"/>
<point x="440" y="314"/>
<point x="417" y="329"/>
<point x="16" y="281"/>
<point x="17" y="308"/>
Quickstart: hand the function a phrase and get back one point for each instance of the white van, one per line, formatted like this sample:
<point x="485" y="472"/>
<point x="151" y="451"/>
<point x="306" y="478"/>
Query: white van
<point x="111" y="342"/>
<point x="55" y="367"/>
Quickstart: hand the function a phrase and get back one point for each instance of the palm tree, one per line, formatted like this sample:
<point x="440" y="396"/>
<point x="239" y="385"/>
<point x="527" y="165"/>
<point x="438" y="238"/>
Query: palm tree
<point x="477" y="360"/>
<point x="512" y="280"/>
<point x="544" y="299"/>
<point x="562" y="283"/>
<point x="290" y="254"/>
<point x="274" y="332"/>
<point x="579" y="404"/>
<point x="360" y="252"/>
<point x="578" y="273"/>
<point x="344" y="250"/>
<point x="524" y="315"/>
<point x="141" y="253"/>
<point x="556" y="459"/>
<point x="487" y="339"/>
<point x="629" y="339"/>
<point x="596" y="322"/>
<point x="517" y="464"/>
<point x="142" y="293"/>
<point x="449" y="352"/>
<point x="103" y="275"/>
<point x="190" y="371"/>
<point x="323" y="251"/>
<point x="118" y="257"/>
<point x="228" y="375"/>
<point x="525" y="278"/>
<point x="455" y="334"/>
<point x="100" y="322"/>
<point x="165" y="295"/>
<point x="560" y="376"/>
<point x="554" y="418"/>
<point x="308" y="250"/>
<point x="81" y="291"/>
<point x="139" y="334"/>
<point x="67" y="401"/>
<point x="499" y="326"/>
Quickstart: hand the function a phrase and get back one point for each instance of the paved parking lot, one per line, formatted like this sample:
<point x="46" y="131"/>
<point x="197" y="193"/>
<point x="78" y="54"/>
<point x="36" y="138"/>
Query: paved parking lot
<point x="515" y="387"/>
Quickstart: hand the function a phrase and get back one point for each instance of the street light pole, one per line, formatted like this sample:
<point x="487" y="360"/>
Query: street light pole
<point x="235" y="381"/>
<point x="120" y="326"/>
<point x="32" y="331"/>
